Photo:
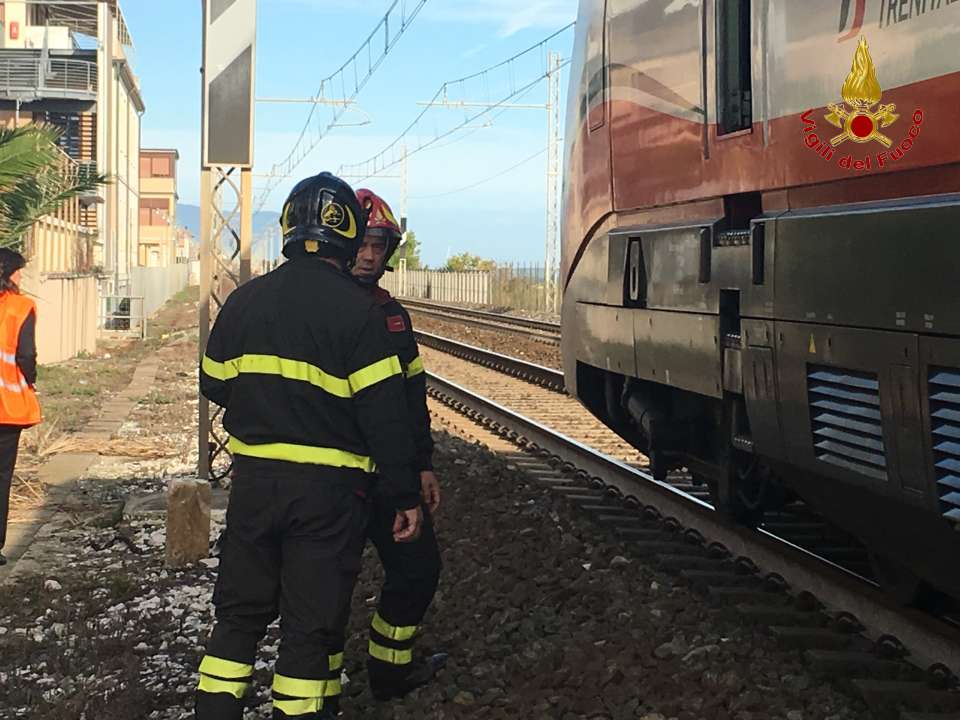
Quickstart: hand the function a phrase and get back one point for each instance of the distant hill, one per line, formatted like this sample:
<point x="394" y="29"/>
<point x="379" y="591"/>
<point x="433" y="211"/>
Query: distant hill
<point x="189" y="217"/>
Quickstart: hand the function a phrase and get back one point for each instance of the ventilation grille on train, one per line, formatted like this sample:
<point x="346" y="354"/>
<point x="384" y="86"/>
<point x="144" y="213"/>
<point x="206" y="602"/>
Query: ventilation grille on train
<point x="845" y="415"/>
<point x="944" y="387"/>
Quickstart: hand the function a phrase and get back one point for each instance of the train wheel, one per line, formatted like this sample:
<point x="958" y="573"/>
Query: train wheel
<point x="741" y="496"/>
<point x="898" y="582"/>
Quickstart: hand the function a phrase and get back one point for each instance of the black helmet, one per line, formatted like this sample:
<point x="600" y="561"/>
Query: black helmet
<point x="322" y="215"/>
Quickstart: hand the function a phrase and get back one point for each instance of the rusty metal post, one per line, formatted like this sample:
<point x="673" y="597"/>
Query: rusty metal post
<point x="226" y="213"/>
<point x="206" y="287"/>
<point x="246" y="222"/>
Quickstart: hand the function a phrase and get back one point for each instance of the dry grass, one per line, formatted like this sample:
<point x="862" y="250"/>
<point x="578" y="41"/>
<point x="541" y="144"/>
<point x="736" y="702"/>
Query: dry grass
<point x="95" y="671"/>
<point x="73" y="392"/>
<point x="114" y="447"/>
<point x="37" y="440"/>
<point x="27" y="495"/>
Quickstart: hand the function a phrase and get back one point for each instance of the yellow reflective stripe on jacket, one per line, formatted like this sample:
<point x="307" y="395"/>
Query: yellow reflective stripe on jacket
<point x="390" y="655"/>
<point x="374" y="373"/>
<point x="335" y="661"/>
<point x="394" y="632"/>
<point x="298" y="687"/>
<point x="415" y="367"/>
<point x="218" y="370"/>
<point x="305" y="706"/>
<point x="275" y="365"/>
<point x="229" y="669"/>
<point x="215" y="685"/>
<point x="333" y="689"/>
<point x="303" y="454"/>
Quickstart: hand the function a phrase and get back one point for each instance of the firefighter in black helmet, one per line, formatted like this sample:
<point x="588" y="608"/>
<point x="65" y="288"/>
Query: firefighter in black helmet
<point x="315" y="405"/>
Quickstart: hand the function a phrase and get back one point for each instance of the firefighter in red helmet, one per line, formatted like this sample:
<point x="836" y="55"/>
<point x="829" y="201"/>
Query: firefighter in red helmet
<point x="316" y="410"/>
<point x="411" y="570"/>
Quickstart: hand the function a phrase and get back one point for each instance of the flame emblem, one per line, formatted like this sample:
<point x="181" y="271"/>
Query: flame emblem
<point x="861" y="91"/>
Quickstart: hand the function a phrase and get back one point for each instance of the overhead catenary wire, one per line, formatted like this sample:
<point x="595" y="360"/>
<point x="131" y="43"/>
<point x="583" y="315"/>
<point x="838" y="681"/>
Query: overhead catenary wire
<point x="448" y="133"/>
<point x="305" y="143"/>
<point x="491" y="178"/>
<point x="471" y="131"/>
<point x="389" y="157"/>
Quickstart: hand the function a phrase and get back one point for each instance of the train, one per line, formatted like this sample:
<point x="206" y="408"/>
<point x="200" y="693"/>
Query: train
<point x="761" y="259"/>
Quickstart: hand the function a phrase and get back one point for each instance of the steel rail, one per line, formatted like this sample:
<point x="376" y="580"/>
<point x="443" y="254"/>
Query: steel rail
<point x="531" y="372"/>
<point x="481" y="318"/>
<point x="928" y="639"/>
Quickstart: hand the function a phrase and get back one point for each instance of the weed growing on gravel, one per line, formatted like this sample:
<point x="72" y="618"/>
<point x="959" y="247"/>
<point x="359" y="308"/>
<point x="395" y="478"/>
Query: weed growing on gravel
<point x="76" y="653"/>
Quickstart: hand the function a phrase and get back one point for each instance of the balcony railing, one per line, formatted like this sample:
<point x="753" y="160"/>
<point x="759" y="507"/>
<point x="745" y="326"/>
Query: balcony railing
<point x="32" y="78"/>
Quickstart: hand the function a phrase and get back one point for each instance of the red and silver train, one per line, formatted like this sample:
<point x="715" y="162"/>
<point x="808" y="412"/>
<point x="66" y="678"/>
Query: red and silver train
<point x="761" y="257"/>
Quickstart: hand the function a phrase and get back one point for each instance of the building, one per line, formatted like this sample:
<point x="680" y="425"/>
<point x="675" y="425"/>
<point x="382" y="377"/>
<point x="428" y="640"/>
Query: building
<point x="159" y="235"/>
<point x="67" y="63"/>
<point x="185" y="246"/>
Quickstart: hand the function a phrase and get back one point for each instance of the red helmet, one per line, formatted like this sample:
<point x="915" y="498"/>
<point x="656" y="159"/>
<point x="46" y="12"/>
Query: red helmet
<point x="380" y="220"/>
<point x="379" y="214"/>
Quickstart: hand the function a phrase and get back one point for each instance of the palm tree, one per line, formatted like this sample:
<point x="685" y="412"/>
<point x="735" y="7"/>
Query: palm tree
<point x="35" y="180"/>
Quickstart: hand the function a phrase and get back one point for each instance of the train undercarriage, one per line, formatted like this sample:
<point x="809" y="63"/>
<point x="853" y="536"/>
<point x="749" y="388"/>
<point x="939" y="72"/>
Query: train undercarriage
<point x="790" y="372"/>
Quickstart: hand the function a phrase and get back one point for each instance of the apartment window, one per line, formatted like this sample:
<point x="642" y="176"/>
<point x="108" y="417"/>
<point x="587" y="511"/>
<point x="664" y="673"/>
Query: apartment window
<point x="70" y="140"/>
<point x="153" y="211"/>
<point x="734" y="96"/>
<point x="161" y="167"/>
<point x="152" y="166"/>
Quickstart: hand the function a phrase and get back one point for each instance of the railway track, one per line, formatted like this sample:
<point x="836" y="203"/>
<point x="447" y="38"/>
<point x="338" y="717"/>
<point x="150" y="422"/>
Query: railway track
<point x="777" y="576"/>
<point x="538" y="329"/>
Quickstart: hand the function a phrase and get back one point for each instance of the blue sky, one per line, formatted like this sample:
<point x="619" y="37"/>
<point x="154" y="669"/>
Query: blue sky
<point x="301" y="41"/>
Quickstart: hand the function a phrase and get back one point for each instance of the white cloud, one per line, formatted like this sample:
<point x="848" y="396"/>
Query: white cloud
<point x="475" y="50"/>
<point x="510" y="16"/>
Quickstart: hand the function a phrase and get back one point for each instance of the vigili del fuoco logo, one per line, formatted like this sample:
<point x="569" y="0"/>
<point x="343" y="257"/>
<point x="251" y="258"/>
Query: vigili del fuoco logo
<point x="861" y="119"/>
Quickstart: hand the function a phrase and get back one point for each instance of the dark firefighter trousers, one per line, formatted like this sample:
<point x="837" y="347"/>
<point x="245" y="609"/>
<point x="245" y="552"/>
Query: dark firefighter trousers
<point x="411" y="575"/>
<point x="292" y="547"/>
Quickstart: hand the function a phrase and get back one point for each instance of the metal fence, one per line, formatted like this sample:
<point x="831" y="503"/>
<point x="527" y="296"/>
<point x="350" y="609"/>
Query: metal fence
<point x="523" y="287"/>
<point x="511" y="286"/>
<point x="126" y="310"/>
<point x="458" y="287"/>
<point x="156" y="285"/>
<point x="54" y="77"/>
<point x="123" y="315"/>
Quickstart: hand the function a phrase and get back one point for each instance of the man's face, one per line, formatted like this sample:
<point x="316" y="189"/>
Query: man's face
<point x="371" y="257"/>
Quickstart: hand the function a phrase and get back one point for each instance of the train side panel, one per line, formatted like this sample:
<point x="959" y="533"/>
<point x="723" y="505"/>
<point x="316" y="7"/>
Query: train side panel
<point x="761" y="294"/>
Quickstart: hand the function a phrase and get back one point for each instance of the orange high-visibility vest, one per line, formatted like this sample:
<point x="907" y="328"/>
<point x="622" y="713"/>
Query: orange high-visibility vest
<point x="18" y="402"/>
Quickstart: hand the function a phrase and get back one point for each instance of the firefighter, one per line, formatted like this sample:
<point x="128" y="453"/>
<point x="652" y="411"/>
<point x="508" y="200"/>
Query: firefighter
<point x="315" y="405"/>
<point x="19" y="407"/>
<point x="412" y="570"/>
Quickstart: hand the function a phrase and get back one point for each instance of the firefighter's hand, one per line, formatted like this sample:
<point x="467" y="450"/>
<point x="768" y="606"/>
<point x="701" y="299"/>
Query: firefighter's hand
<point x="430" y="490"/>
<point x="407" y="525"/>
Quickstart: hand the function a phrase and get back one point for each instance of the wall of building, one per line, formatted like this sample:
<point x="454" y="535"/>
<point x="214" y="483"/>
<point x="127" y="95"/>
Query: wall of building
<point x="118" y="150"/>
<point x="156" y="285"/>
<point x="68" y="307"/>
<point x="158" y="208"/>
<point x="15" y="11"/>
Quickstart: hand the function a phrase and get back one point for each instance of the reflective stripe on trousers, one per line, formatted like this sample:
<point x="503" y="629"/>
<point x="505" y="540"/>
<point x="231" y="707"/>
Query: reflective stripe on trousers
<point x="218" y="675"/>
<point x="298" y="696"/>
<point x="389" y="643"/>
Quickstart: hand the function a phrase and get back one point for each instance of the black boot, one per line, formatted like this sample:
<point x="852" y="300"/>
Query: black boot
<point x="389" y="683"/>
<point x="324" y="714"/>
<point x="3" y="559"/>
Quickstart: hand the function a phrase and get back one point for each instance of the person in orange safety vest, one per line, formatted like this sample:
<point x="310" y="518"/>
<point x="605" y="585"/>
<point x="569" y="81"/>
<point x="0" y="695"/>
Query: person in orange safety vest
<point x="19" y="407"/>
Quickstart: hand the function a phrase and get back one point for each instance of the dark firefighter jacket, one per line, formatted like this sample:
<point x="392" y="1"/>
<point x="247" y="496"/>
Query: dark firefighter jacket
<point x="405" y="345"/>
<point x="302" y="362"/>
